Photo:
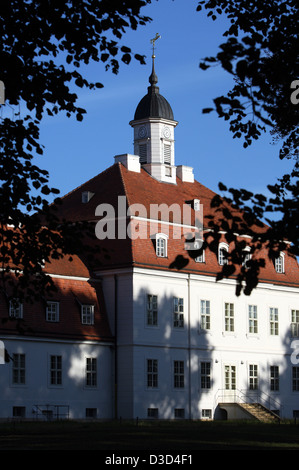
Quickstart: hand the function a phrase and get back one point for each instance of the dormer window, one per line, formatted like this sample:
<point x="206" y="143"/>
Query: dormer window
<point x="87" y="314"/>
<point x="246" y="257"/>
<point x="222" y="254"/>
<point x="279" y="264"/>
<point x="15" y="308"/>
<point x="86" y="196"/>
<point x="161" y="245"/>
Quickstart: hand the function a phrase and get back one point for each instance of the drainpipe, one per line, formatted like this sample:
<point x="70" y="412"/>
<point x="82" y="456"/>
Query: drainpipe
<point x="189" y="347"/>
<point x="115" y="347"/>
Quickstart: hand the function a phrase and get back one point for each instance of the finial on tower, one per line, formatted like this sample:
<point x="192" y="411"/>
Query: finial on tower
<point x="153" y="41"/>
<point x="153" y="79"/>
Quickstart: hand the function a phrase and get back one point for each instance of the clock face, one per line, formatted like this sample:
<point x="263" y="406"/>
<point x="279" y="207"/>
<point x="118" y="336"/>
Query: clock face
<point x="142" y="132"/>
<point x="166" y="132"/>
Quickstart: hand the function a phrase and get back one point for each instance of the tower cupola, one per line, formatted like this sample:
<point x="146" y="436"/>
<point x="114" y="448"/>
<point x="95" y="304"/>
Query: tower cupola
<point x="153" y="126"/>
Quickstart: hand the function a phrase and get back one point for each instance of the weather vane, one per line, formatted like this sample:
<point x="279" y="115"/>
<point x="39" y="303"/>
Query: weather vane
<point x="153" y="41"/>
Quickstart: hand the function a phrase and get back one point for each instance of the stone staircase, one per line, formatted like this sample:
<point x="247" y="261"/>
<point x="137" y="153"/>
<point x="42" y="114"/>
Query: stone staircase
<point x="259" y="412"/>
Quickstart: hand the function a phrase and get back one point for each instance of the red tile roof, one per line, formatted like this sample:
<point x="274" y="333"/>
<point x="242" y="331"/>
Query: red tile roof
<point x="141" y="188"/>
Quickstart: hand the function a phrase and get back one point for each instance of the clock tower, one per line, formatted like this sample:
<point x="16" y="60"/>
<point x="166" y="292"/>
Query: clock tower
<point x="153" y="126"/>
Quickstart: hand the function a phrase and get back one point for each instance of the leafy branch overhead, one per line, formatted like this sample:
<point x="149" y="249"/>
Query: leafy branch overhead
<point x="261" y="53"/>
<point x="43" y="46"/>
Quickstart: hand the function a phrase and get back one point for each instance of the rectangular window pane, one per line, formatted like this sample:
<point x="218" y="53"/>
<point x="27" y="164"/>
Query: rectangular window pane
<point x="178" y="312"/>
<point x="274" y="321"/>
<point x="252" y="318"/>
<point x="91" y="371"/>
<point x="152" y="373"/>
<point x="205" y="316"/>
<point x="274" y="378"/>
<point x="56" y="370"/>
<point x="229" y="317"/>
<point x="18" y="369"/>
<point x="253" y="377"/>
<point x="152" y="310"/>
<point x="179" y="374"/>
<point x="205" y="371"/>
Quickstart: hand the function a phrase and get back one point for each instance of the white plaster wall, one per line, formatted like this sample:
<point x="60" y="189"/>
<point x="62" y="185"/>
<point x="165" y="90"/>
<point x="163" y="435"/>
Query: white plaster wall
<point x="73" y="392"/>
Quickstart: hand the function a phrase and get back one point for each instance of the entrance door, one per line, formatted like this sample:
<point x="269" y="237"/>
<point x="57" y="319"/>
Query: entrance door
<point x="230" y="380"/>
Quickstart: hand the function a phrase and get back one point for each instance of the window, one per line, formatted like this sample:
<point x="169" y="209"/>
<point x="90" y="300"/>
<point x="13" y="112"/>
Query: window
<point x="206" y="414"/>
<point x="229" y="317"/>
<point x="87" y="314"/>
<point x="279" y="264"/>
<point x="152" y="412"/>
<point x="253" y="377"/>
<point x="295" y="377"/>
<point x="201" y="254"/>
<point x="167" y="154"/>
<point x="91" y="372"/>
<point x="295" y="324"/>
<point x="230" y="377"/>
<point x="86" y="196"/>
<point x="179" y="413"/>
<point x="205" y="317"/>
<point x="152" y="373"/>
<point x="15" y="308"/>
<point x="56" y="370"/>
<point x="252" y="318"/>
<point x="274" y="321"/>
<point x="142" y="153"/>
<point x="274" y="378"/>
<point x="18" y="369"/>
<point x="52" y="311"/>
<point x="91" y="412"/>
<point x="178" y="312"/>
<point x="161" y="245"/>
<point x="205" y="375"/>
<point x="19" y="411"/>
<point x="246" y="258"/>
<point x="222" y="254"/>
<point x="152" y="310"/>
<point x="178" y="368"/>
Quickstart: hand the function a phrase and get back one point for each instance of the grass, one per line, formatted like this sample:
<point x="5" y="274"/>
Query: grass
<point x="180" y="437"/>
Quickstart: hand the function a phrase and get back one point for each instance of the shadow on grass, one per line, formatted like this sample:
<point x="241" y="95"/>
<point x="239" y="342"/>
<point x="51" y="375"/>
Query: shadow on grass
<point x="149" y="436"/>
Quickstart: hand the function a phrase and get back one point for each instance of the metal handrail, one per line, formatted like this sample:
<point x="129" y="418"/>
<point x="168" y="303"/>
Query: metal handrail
<point x="247" y="396"/>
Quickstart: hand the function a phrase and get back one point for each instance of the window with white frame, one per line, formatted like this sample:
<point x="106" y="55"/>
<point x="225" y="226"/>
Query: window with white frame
<point x="52" y="311"/>
<point x="274" y="378"/>
<point x="222" y="254"/>
<point x="205" y="375"/>
<point x="295" y="379"/>
<point x="295" y="323"/>
<point x="167" y="153"/>
<point x="201" y="253"/>
<point x="229" y="317"/>
<point x="15" y="308"/>
<point x="152" y="310"/>
<point x="252" y="319"/>
<point x="178" y="374"/>
<point x="56" y="370"/>
<point x="152" y="373"/>
<point x="205" y="315"/>
<point x="161" y="245"/>
<point x="273" y="321"/>
<point x="18" y="369"/>
<point x="253" y="377"/>
<point x="279" y="264"/>
<point x="87" y="314"/>
<point x="91" y="372"/>
<point x="178" y="312"/>
<point x="246" y="258"/>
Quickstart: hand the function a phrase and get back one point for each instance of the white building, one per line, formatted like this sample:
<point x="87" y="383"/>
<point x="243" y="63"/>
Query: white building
<point x="146" y="331"/>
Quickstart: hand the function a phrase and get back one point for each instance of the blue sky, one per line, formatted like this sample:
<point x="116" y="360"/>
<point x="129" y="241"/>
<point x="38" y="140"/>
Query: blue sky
<point x="77" y="151"/>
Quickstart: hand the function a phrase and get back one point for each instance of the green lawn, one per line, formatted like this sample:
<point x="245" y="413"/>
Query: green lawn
<point x="180" y="437"/>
